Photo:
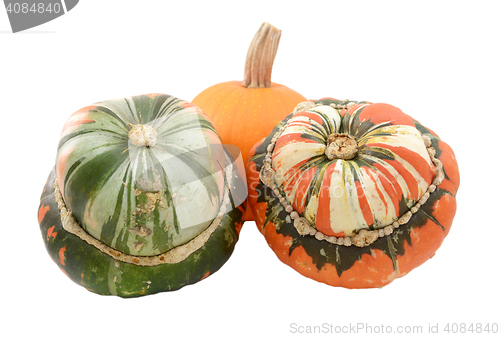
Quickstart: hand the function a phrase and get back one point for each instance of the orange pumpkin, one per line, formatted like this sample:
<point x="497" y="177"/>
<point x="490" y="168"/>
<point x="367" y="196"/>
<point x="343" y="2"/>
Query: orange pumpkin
<point x="245" y="112"/>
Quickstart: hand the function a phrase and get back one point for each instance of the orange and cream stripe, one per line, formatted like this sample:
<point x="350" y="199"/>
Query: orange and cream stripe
<point x="390" y="173"/>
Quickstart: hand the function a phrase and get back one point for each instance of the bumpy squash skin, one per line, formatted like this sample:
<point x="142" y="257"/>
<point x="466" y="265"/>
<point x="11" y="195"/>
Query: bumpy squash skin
<point x="376" y="265"/>
<point x="100" y="273"/>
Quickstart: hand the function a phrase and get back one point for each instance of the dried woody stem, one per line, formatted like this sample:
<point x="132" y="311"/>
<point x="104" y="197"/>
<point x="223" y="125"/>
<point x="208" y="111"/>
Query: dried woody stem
<point x="260" y="57"/>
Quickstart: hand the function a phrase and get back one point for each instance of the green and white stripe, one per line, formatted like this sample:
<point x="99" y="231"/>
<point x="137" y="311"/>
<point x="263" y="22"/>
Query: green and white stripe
<point x="141" y="200"/>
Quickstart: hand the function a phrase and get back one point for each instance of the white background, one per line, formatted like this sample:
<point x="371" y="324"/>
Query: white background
<point x="438" y="61"/>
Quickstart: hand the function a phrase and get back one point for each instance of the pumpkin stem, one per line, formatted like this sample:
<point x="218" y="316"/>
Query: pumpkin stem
<point x="260" y="57"/>
<point x="142" y="135"/>
<point x="341" y="146"/>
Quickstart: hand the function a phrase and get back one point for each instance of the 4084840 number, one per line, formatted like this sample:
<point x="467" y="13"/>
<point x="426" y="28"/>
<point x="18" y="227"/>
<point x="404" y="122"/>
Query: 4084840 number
<point x="33" y="8"/>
